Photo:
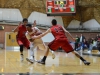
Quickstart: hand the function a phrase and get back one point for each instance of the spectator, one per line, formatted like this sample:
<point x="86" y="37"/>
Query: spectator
<point x="95" y="43"/>
<point x="97" y="37"/>
<point x="98" y="45"/>
<point x="77" y="40"/>
<point x="90" y="45"/>
<point x="82" y="41"/>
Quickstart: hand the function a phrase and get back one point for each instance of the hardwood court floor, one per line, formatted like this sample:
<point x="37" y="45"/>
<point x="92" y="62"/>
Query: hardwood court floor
<point x="63" y="63"/>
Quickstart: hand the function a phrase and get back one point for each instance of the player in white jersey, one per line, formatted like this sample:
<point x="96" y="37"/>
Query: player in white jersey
<point x="32" y="31"/>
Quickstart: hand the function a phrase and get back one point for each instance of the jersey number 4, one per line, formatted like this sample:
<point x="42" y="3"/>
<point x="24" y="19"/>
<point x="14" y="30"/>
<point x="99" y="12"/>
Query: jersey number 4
<point x="59" y="29"/>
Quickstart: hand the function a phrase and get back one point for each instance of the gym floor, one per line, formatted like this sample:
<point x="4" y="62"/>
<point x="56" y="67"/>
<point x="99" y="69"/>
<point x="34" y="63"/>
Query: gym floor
<point x="63" y="64"/>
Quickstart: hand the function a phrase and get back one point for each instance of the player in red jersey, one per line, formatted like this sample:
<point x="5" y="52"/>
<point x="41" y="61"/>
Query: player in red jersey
<point x="21" y="37"/>
<point x="60" y="41"/>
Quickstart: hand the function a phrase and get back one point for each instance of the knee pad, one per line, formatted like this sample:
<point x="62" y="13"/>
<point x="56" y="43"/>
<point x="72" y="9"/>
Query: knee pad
<point x="21" y="48"/>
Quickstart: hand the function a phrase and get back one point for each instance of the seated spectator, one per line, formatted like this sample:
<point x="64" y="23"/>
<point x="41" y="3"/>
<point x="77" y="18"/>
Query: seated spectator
<point x="90" y="45"/>
<point x="98" y="45"/>
<point x="94" y="44"/>
<point x="77" y="40"/>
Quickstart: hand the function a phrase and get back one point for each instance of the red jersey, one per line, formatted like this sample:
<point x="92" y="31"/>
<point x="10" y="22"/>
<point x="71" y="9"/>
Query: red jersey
<point x="58" y="32"/>
<point x="21" y="32"/>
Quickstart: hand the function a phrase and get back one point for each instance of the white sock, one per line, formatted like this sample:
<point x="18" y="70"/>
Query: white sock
<point x="30" y="53"/>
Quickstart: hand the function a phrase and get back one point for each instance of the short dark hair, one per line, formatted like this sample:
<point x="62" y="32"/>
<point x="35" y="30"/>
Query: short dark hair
<point x="29" y="25"/>
<point x="54" y="22"/>
<point x="25" y="19"/>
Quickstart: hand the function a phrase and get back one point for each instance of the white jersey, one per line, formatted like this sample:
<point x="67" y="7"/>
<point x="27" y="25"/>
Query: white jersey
<point x="37" y="42"/>
<point x="34" y="31"/>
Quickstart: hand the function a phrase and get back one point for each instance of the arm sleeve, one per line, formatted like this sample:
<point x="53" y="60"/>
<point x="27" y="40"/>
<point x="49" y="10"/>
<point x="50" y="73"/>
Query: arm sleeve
<point x="37" y="29"/>
<point x="27" y="35"/>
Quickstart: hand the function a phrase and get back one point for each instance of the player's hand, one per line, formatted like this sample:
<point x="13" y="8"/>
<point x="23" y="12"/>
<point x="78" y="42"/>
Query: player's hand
<point x="34" y="24"/>
<point x="38" y="33"/>
<point x="35" y="37"/>
<point x="31" y="40"/>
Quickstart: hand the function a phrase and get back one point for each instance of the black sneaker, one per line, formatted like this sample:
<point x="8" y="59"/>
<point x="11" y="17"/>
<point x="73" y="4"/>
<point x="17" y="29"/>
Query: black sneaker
<point x="41" y="61"/>
<point x="86" y="63"/>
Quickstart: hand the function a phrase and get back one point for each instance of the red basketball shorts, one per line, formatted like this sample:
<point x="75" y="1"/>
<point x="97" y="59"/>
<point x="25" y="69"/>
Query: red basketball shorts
<point x="24" y="42"/>
<point x="61" y="42"/>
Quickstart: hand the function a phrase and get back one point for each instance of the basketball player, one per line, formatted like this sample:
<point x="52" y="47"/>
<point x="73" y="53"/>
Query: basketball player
<point x="21" y="37"/>
<point x="60" y="41"/>
<point x="32" y="31"/>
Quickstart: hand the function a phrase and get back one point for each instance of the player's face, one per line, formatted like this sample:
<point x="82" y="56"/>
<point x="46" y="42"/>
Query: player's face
<point x="29" y="29"/>
<point x="25" y="22"/>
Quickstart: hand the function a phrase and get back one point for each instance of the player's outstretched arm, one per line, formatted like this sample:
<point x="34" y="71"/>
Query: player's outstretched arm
<point x="38" y="32"/>
<point x="34" y="24"/>
<point x="41" y="35"/>
<point x="16" y="29"/>
<point x="68" y="33"/>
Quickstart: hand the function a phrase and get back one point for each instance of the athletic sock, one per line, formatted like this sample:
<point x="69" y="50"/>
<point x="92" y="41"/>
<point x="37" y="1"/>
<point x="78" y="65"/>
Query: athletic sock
<point x="44" y="58"/>
<point x="30" y="53"/>
<point x="82" y="59"/>
<point x="21" y="54"/>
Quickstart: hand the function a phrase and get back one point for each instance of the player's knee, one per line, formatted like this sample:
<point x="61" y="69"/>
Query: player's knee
<point x="31" y="48"/>
<point x="28" y="48"/>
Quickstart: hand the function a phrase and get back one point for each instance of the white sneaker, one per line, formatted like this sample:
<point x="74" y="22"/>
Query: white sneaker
<point x="30" y="60"/>
<point x="21" y="57"/>
<point x="98" y="52"/>
<point x="89" y="51"/>
<point x="53" y="55"/>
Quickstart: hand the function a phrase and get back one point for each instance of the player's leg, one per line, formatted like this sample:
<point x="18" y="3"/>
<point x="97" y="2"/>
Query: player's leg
<point x="31" y="52"/>
<point x="31" y="57"/>
<point x="29" y="46"/>
<point x="20" y="43"/>
<point x="42" y="61"/>
<point x="81" y="58"/>
<point x="42" y="46"/>
<point x="68" y="48"/>
<point x="53" y="46"/>
<point x="21" y="53"/>
<point x="52" y="52"/>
